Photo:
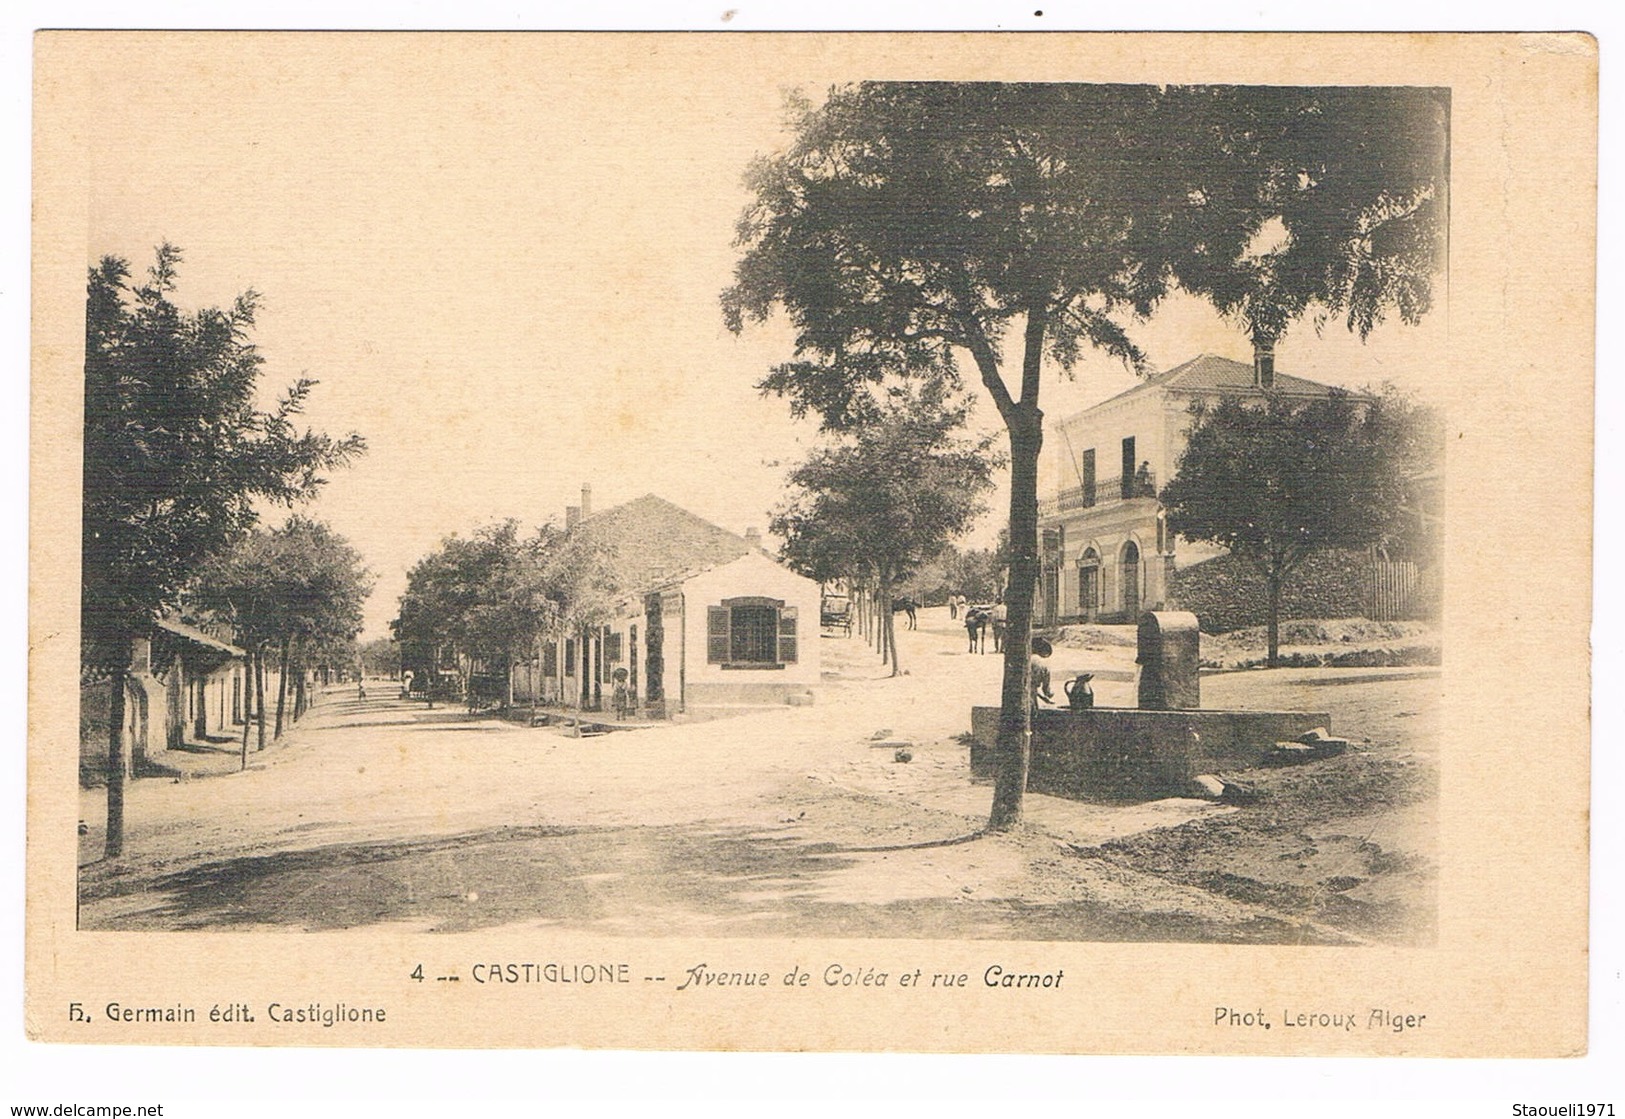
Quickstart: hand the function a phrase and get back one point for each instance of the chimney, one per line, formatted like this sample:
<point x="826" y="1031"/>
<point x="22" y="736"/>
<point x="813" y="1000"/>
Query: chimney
<point x="753" y="536"/>
<point x="572" y="516"/>
<point x="1263" y="365"/>
<point x="586" y="500"/>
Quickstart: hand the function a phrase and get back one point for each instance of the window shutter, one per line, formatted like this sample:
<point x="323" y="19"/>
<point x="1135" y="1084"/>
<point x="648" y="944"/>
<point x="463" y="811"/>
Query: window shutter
<point x="787" y="635"/>
<point x="716" y="635"/>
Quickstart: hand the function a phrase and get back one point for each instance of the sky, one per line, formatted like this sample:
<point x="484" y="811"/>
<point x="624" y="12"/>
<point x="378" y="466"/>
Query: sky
<point x="503" y="260"/>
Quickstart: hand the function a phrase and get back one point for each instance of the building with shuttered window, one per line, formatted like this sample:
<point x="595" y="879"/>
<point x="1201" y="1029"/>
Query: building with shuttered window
<point x="705" y="618"/>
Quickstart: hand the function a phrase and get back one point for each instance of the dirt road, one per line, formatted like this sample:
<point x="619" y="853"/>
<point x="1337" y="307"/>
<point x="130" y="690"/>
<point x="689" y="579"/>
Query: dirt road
<point x="783" y="821"/>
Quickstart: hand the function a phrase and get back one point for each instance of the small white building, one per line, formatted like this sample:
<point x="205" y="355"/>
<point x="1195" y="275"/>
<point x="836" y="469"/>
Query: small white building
<point x="706" y="618"/>
<point x="746" y="632"/>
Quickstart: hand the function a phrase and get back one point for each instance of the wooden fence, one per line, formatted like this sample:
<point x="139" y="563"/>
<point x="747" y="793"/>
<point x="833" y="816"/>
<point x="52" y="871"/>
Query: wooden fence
<point x="1393" y="589"/>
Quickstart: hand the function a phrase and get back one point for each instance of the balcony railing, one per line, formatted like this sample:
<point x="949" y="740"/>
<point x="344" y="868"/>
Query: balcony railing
<point x="1107" y="491"/>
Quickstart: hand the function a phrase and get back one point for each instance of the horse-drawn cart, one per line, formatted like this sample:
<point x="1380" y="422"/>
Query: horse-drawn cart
<point x="835" y="612"/>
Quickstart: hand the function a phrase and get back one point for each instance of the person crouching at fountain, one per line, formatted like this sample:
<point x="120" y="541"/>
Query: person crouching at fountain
<point x="1040" y="673"/>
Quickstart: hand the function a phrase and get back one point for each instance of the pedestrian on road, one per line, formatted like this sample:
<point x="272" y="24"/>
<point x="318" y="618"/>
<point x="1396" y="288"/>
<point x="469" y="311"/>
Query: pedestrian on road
<point x="1000" y="623"/>
<point x="622" y="696"/>
<point x="361" y="687"/>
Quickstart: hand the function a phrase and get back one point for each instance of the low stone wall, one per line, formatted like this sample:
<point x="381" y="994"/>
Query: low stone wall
<point x="1123" y="753"/>
<point x="1228" y="593"/>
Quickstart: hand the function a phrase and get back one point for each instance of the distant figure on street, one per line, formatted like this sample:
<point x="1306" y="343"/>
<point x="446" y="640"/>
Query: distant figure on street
<point x="361" y="687"/>
<point x="907" y="606"/>
<point x="1001" y="622"/>
<point x="623" y="699"/>
<point x="953" y="606"/>
<point x="976" y="628"/>
<point x="1040" y="673"/>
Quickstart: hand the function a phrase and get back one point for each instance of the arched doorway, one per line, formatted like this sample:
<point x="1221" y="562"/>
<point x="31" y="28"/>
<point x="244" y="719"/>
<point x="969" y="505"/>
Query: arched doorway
<point x="1131" y="580"/>
<point x="1089" y="584"/>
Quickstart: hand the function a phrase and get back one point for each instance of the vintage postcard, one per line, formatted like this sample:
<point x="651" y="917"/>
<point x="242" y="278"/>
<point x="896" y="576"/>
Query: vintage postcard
<point x="1056" y="543"/>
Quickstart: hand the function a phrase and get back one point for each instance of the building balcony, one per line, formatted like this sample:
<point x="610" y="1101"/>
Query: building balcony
<point x="1105" y="491"/>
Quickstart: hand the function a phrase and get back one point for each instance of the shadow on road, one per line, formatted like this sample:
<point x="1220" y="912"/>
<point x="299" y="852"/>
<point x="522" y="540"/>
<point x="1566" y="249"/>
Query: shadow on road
<point x="636" y="881"/>
<point x="571" y="876"/>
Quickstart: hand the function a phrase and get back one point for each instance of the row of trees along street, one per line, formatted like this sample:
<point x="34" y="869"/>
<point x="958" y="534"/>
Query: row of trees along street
<point x="908" y="226"/>
<point x="977" y="573"/>
<point x="178" y="461"/>
<point x="871" y="508"/>
<point x="495" y="596"/>
<point x="297" y="590"/>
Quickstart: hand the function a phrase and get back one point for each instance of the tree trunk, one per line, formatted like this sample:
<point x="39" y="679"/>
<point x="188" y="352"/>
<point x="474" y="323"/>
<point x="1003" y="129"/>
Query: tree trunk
<point x="115" y="761"/>
<point x="1013" y="752"/>
<point x="1273" y="582"/>
<point x="281" y="688"/>
<point x="581" y="692"/>
<point x="248" y="701"/>
<point x="299" y="700"/>
<point x="259" y="693"/>
<point x="889" y="624"/>
<point x="175" y="705"/>
<point x="877" y="629"/>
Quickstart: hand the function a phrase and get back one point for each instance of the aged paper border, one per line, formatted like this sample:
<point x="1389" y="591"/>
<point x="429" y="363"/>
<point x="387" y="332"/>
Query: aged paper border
<point x="1508" y="976"/>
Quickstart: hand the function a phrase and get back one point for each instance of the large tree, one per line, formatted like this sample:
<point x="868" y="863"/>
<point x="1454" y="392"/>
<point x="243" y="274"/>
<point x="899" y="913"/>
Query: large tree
<point x="298" y="589"/>
<point x="911" y="224"/>
<point x="490" y="596"/>
<point x="580" y="572"/>
<point x="176" y="456"/>
<point x="1278" y="480"/>
<point x="887" y="498"/>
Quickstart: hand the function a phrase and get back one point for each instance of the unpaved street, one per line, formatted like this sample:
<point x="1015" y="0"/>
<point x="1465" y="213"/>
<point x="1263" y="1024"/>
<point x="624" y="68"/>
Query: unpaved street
<point x="783" y="821"/>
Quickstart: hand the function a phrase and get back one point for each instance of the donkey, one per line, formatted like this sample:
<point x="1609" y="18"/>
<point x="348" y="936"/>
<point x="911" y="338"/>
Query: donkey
<point x="907" y="606"/>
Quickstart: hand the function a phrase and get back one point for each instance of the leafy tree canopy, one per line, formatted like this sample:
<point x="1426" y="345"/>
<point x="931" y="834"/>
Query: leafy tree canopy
<point x="176" y="453"/>
<point x="1328" y="202"/>
<point x="299" y="584"/>
<point x="1278" y="481"/>
<point x="890" y="496"/>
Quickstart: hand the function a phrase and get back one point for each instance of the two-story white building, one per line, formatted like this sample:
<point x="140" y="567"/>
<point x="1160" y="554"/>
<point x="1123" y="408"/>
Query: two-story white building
<point x="1107" y="551"/>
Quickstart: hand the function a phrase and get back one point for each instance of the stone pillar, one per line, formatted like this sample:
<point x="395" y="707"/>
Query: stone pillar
<point x="1170" y="659"/>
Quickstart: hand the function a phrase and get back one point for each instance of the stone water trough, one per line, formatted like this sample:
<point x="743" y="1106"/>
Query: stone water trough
<point x="1155" y="750"/>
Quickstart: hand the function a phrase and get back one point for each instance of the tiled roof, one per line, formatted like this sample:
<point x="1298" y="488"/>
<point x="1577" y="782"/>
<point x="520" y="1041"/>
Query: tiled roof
<point x="652" y="542"/>
<point x="1210" y="373"/>
<point x="197" y="636"/>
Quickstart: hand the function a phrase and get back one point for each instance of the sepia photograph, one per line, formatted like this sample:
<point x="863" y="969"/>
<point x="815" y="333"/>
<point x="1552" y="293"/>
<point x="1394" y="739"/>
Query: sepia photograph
<point x="308" y="651"/>
<point x="563" y="514"/>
